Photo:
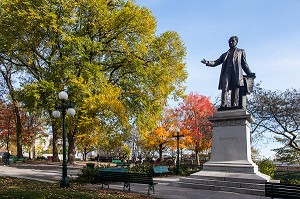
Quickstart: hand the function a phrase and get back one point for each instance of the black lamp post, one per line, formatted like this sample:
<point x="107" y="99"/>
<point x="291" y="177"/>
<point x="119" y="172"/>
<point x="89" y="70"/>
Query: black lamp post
<point x="178" y="135"/>
<point x="63" y="96"/>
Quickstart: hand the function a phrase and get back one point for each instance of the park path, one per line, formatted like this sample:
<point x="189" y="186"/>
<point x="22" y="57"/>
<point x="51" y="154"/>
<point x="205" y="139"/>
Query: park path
<point x="48" y="172"/>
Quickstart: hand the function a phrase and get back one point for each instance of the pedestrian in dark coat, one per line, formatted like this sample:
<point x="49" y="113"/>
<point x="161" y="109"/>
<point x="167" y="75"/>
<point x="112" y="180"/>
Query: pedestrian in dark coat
<point x="5" y="157"/>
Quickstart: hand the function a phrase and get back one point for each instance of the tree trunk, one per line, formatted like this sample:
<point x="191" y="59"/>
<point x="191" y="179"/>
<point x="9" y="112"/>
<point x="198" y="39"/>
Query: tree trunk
<point x="19" y="132"/>
<point x="197" y="157"/>
<point x="55" y="157"/>
<point x="33" y="150"/>
<point x="7" y="75"/>
<point x="7" y="141"/>
<point x="160" y="151"/>
<point x="71" y="148"/>
<point x="84" y="154"/>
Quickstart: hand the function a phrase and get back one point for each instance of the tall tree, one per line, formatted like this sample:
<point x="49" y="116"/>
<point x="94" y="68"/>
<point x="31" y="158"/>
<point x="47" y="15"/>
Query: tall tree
<point x="64" y="44"/>
<point x="276" y="112"/>
<point x="8" y="72"/>
<point x="194" y="112"/>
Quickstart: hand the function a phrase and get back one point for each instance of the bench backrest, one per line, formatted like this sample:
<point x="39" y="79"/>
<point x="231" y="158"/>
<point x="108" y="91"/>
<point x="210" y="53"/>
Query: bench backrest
<point x="160" y="169"/>
<point x="142" y="178"/>
<point x="282" y="190"/>
<point x="112" y="176"/>
<point x="114" y="169"/>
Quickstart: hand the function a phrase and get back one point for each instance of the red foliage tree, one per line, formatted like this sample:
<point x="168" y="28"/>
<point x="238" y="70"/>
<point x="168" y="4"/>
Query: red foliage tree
<point x="194" y="112"/>
<point x="7" y="126"/>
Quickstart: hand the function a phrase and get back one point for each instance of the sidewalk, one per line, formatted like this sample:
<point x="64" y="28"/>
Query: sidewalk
<point x="52" y="173"/>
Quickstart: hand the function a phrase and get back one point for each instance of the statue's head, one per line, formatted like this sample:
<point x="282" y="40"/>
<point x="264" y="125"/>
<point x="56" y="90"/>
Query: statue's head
<point x="233" y="41"/>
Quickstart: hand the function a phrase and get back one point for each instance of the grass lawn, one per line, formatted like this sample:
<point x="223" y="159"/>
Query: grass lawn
<point x="31" y="189"/>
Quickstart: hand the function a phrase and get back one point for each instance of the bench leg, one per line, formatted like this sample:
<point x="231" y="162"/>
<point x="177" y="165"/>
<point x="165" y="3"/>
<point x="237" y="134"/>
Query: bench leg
<point x="151" y="187"/>
<point x="105" y="184"/>
<point x="126" y="185"/>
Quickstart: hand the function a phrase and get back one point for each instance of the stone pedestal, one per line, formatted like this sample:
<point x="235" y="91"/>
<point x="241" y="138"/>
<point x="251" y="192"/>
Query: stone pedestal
<point x="230" y="167"/>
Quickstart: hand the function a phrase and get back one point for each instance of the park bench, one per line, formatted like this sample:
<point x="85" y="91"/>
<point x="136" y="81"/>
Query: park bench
<point x="15" y="159"/>
<point x="123" y="164"/>
<point x="141" y="178"/>
<point x="127" y="178"/>
<point x="161" y="169"/>
<point x="279" y="190"/>
<point x="116" y="161"/>
<point x="113" y="169"/>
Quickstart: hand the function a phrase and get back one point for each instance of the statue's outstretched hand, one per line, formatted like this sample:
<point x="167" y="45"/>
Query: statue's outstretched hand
<point x="204" y="61"/>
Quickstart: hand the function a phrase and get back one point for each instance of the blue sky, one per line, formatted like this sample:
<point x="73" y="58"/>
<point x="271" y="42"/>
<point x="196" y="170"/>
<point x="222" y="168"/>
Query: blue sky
<point x="268" y="30"/>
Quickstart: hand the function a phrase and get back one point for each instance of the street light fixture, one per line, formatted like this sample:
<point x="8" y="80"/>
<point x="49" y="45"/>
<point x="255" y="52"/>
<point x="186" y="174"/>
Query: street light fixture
<point x="178" y="135"/>
<point x="65" y="108"/>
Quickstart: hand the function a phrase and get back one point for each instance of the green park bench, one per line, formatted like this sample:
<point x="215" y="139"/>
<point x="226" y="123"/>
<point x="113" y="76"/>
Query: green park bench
<point x="14" y="159"/>
<point x="161" y="169"/>
<point x="127" y="178"/>
<point x="113" y="169"/>
<point x="116" y="161"/>
<point x="279" y="190"/>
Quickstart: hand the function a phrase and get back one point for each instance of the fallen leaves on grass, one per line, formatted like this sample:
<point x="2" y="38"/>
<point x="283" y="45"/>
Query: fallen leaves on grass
<point x="23" y="188"/>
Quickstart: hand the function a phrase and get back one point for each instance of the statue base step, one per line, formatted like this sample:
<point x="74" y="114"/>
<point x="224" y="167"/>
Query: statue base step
<point x="245" y="183"/>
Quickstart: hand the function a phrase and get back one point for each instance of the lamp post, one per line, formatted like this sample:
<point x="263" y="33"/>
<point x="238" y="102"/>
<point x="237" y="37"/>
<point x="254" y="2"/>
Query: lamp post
<point x="178" y="135"/>
<point x="64" y="107"/>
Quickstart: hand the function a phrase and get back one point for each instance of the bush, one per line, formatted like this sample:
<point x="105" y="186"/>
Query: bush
<point x="267" y="167"/>
<point x="287" y="177"/>
<point x="186" y="170"/>
<point x="142" y="168"/>
<point x="88" y="175"/>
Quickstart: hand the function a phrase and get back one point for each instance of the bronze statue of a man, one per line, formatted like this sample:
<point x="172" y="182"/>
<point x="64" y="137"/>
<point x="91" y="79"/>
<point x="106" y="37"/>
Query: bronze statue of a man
<point x="231" y="78"/>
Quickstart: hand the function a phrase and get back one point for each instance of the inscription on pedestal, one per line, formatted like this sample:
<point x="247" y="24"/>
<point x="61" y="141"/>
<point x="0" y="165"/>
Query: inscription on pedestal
<point x="235" y="122"/>
<point x="228" y="139"/>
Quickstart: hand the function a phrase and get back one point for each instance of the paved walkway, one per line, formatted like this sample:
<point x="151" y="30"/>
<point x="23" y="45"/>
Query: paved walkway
<point x="51" y="172"/>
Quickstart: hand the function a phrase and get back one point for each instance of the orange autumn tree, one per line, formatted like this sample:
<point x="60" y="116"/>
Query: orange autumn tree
<point x="194" y="112"/>
<point x="160" y="139"/>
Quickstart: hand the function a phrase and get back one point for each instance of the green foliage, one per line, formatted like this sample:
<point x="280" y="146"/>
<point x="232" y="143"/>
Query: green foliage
<point x="288" y="177"/>
<point x="267" y="167"/>
<point x="142" y="168"/>
<point x="289" y="181"/>
<point x="88" y="175"/>
<point x="287" y="154"/>
<point x="118" y="73"/>
<point x="186" y="170"/>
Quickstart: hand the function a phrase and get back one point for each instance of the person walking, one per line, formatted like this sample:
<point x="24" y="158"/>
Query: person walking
<point x="6" y="156"/>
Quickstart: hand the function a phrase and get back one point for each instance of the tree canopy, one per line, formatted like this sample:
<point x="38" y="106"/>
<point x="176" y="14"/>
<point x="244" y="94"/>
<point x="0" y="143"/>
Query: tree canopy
<point x="105" y="54"/>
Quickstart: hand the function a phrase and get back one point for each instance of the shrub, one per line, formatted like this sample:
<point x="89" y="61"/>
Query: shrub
<point x="186" y="170"/>
<point x="288" y="177"/>
<point x="142" y="168"/>
<point x="267" y="167"/>
<point x="88" y="175"/>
